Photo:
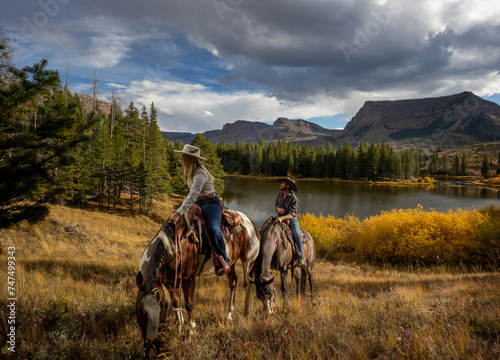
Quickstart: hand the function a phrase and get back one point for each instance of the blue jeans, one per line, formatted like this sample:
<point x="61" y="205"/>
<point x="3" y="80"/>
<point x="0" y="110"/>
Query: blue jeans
<point x="211" y="211"/>
<point x="297" y="236"/>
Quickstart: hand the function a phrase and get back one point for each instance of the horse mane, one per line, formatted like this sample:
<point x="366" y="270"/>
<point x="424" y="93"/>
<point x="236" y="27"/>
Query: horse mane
<point x="161" y="253"/>
<point x="264" y="231"/>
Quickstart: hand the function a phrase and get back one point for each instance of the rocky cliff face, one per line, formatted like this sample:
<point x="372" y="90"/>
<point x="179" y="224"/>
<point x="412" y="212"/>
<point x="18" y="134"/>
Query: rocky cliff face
<point x="460" y="119"/>
<point x="88" y="104"/>
<point x="297" y="131"/>
<point x="241" y="130"/>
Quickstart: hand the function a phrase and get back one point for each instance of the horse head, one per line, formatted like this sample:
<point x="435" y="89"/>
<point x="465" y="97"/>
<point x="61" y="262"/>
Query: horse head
<point x="151" y="308"/>
<point x="151" y="302"/>
<point x="266" y="293"/>
<point x="264" y="286"/>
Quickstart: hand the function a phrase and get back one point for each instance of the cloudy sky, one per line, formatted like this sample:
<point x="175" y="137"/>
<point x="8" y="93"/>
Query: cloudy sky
<point x="205" y="63"/>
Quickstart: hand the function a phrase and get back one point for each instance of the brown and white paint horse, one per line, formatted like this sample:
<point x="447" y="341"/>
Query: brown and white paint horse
<point x="276" y="252"/>
<point x="175" y="266"/>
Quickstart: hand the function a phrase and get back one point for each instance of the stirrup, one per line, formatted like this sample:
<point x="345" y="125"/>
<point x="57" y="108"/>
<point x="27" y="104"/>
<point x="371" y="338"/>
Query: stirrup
<point x="221" y="267"/>
<point x="301" y="264"/>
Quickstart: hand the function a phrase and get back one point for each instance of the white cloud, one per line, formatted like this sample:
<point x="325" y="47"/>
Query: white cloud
<point x="460" y="15"/>
<point x="106" y="50"/>
<point x="196" y="108"/>
<point x="116" y="86"/>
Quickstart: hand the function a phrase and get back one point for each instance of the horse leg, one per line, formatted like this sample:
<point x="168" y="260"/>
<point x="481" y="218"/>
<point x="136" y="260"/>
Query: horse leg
<point x="284" y="274"/>
<point x="188" y="287"/>
<point x="176" y="305"/>
<point x="298" y="282"/>
<point x="310" y="278"/>
<point x="303" y="280"/>
<point x="248" y="290"/>
<point x="232" y="281"/>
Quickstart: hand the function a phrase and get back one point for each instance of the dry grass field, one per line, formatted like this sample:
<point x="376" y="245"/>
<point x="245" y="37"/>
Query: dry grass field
<point x="75" y="287"/>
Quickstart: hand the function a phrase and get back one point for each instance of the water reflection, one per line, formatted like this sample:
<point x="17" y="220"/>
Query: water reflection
<point x="256" y="198"/>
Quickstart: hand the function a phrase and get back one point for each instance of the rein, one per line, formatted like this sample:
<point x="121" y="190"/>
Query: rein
<point x="177" y="253"/>
<point x="280" y="239"/>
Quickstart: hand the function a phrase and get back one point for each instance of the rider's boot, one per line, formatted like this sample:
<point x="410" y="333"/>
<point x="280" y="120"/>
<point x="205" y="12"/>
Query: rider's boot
<point x="221" y="266"/>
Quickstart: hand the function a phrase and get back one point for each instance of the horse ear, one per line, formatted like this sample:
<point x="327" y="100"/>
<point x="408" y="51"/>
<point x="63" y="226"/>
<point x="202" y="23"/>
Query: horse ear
<point x="267" y="282"/>
<point x="139" y="279"/>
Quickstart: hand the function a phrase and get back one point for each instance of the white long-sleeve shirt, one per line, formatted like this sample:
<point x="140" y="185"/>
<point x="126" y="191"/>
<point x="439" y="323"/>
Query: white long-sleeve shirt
<point x="201" y="186"/>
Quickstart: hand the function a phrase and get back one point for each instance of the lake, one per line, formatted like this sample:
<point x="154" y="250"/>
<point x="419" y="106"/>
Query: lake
<point x="256" y="198"/>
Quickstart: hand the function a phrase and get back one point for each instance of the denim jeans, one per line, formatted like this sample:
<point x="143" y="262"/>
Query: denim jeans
<point x="212" y="213"/>
<point x="297" y="236"/>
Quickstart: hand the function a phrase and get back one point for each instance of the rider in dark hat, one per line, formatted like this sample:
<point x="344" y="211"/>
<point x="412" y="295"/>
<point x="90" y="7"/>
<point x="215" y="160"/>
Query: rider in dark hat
<point x="286" y="205"/>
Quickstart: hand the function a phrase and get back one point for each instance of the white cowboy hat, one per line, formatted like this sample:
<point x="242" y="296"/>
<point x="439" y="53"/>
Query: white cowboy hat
<point x="191" y="150"/>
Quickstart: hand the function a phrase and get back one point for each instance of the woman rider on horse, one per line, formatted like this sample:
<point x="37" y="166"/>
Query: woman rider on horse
<point x="202" y="192"/>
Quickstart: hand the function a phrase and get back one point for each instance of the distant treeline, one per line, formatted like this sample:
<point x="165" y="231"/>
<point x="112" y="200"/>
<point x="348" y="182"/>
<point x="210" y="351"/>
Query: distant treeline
<point x="372" y="162"/>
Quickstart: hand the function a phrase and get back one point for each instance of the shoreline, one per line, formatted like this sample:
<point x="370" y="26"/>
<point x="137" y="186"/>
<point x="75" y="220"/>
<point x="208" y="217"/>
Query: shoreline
<point x="326" y="180"/>
<point x="474" y="180"/>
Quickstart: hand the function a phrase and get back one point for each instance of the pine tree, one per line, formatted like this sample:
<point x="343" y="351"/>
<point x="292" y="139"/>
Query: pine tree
<point x="485" y="167"/>
<point x="463" y="164"/>
<point x="6" y="52"/>
<point x="407" y="163"/>
<point x="330" y="161"/>
<point x="361" y="160"/>
<point x="372" y="162"/>
<point x="212" y="163"/>
<point x="131" y="130"/>
<point x="434" y="165"/>
<point x="36" y="131"/>
<point x="456" y="165"/>
<point x="175" y="169"/>
<point x="156" y="161"/>
<point x="75" y="169"/>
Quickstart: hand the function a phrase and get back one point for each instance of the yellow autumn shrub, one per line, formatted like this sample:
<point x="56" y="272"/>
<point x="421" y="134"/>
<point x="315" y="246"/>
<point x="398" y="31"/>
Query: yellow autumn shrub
<point x="411" y="236"/>
<point x="332" y="236"/>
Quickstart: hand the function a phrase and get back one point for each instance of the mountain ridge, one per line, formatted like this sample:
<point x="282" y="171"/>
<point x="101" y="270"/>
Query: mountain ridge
<point x="462" y="118"/>
<point x="448" y="121"/>
<point x="299" y="131"/>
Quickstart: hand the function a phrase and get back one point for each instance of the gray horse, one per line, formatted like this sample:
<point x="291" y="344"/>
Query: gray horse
<point x="277" y="253"/>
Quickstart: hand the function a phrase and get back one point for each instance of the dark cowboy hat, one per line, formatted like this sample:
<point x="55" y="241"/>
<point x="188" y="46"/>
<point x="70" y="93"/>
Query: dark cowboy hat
<point x="290" y="182"/>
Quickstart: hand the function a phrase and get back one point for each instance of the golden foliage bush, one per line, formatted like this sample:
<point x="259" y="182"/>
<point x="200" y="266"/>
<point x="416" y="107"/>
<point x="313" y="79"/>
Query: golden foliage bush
<point x="332" y="236"/>
<point x="411" y="236"/>
<point x="429" y="180"/>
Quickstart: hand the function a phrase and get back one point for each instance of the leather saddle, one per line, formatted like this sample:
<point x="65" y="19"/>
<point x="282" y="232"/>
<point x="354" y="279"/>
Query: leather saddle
<point x="230" y="225"/>
<point x="288" y="235"/>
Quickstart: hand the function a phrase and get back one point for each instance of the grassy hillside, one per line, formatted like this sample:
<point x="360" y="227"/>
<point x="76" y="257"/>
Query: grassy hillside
<point x="75" y="285"/>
